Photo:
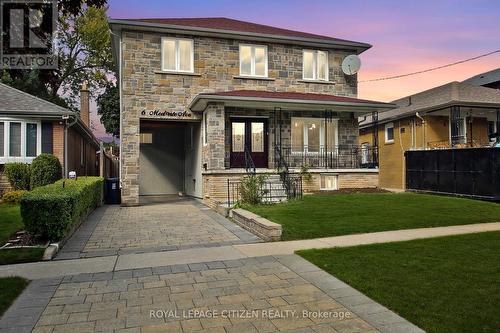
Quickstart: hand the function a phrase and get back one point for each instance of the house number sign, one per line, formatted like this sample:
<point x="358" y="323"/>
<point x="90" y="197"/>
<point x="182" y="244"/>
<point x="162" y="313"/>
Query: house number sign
<point x="169" y="114"/>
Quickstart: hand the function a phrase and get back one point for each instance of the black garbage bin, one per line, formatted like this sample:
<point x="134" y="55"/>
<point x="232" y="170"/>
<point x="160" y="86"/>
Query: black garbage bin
<point x="112" y="193"/>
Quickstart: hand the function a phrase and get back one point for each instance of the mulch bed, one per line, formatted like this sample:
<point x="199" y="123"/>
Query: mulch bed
<point x="22" y="239"/>
<point x="352" y="191"/>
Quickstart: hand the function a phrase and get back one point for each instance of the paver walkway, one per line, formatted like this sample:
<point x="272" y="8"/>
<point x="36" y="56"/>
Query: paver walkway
<point x="265" y="294"/>
<point x="177" y="224"/>
<point x="227" y="288"/>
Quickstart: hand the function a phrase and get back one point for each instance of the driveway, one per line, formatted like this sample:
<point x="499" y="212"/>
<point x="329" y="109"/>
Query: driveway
<point x="175" y="225"/>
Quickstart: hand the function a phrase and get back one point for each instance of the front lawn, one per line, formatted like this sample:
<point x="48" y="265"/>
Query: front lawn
<point x="10" y="222"/>
<point x="10" y="288"/>
<point x="447" y="284"/>
<point x="324" y="215"/>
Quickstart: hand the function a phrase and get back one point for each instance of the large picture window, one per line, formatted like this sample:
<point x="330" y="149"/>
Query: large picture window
<point x="253" y="60"/>
<point x="315" y="65"/>
<point x="310" y="135"/>
<point x="20" y="140"/>
<point x="177" y="55"/>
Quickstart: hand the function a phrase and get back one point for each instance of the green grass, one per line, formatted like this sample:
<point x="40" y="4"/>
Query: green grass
<point x="447" y="284"/>
<point x="10" y="222"/>
<point x="331" y="215"/>
<point x="10" y="288"/>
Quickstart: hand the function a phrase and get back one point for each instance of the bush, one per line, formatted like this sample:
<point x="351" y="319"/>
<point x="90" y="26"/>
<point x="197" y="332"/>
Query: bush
<point x="18" y="175"/>
<point x="251" y="191"/>
<point x="50" y="211"/>
<point x="45" y="169"/>
<point x="13" y="196"/>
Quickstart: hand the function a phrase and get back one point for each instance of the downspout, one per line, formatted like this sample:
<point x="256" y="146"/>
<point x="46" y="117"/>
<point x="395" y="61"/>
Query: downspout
<point x="120" y="86"/>
<point x="66" y="127"/>
<point x="423" y="128"/>
<point x="403" y="159"/>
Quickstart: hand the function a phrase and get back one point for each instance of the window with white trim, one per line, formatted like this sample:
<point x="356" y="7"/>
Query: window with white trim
<point x="308" y="134"/>
<point x="315" y="65"/>
<point x="328" y="182"/>
<point x="253" y="60"/>
<point x="20" y="140"/>
<point x="389" y="133"/>
<point x="177" y="55"/>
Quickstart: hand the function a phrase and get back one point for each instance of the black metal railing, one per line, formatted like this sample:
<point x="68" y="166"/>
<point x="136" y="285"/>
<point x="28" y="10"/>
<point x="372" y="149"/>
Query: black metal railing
<point x="249" y="164"/>
<point x="292" y="184"/>
<point x="270" y="192"/>
<point x="338" y="157"/>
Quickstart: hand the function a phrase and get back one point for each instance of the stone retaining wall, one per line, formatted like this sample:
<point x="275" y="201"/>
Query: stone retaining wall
<point x="257" y="225"/>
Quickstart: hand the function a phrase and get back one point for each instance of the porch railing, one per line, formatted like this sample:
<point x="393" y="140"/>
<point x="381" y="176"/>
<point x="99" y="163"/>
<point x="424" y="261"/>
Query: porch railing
<point x="249" y="164"/>
<point x="338" y="157"/>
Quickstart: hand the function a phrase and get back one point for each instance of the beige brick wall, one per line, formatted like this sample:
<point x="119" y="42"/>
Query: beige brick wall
<point x="215" y="185"/>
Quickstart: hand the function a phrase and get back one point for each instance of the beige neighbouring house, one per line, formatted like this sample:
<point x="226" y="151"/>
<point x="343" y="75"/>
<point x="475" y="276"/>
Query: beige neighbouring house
<point x="454" y="115"/>
<point x="206" y="101"/>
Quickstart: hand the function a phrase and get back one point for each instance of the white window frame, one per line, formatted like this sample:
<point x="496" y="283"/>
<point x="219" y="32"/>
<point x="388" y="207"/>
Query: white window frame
<point x="177" y="55"/>
<point x="205" y="129"/>
<point x="386" y="136"/>
<point x="315" y="66"/>
<point x="6" y="158"/>
<point x="305" y="132"/>
<point x="252" y="60"/>
<point x="336" y="185"/>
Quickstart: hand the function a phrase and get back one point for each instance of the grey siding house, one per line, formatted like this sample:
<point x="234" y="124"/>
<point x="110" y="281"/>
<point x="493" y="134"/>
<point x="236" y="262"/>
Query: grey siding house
<point x="208" y="100"/>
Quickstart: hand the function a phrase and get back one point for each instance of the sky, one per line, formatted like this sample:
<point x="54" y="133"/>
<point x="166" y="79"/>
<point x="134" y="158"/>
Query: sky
<point x="407" y="36"/>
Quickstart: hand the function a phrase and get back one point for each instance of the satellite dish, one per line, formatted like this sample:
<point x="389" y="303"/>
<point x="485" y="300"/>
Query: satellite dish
<point x="351" y="64"/>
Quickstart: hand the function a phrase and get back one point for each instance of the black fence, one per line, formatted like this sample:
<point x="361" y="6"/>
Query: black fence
<point x="471" y="172"/>
<point x="337" y="157"/>
<point x="270" y="191"/>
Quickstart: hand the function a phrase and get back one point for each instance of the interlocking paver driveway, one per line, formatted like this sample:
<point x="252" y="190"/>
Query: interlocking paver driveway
<point x="240" y="294"/>
<point x="169" y="226"/>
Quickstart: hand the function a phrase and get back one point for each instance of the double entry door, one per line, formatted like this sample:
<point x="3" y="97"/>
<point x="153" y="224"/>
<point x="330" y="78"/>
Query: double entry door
<point x="250" y="134"/>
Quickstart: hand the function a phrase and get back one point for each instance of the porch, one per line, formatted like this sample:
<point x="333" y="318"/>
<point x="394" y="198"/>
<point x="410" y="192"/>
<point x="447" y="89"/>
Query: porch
<point x="285" y="134"/>
<point x="465" y="127"/>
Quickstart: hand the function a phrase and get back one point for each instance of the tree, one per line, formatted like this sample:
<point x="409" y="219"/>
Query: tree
<point x="83" y="47"/>
<point x="108" y="107"/>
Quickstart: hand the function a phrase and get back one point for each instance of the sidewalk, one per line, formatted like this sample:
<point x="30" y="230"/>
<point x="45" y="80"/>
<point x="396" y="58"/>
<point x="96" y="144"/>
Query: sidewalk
<point x="196" y="255"/>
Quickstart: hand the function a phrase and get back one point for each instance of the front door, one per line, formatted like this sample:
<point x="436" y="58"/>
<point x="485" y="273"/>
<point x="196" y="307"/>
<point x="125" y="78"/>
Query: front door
<point x="252" y="135"/>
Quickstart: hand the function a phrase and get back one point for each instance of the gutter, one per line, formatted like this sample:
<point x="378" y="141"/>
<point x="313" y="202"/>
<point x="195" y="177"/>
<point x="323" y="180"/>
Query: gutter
<point x="217" y="98"/>
<point x="338" y="43"/>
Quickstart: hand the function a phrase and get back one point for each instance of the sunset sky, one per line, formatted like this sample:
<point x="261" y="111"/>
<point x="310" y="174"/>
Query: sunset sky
<point x="406" y="36"/>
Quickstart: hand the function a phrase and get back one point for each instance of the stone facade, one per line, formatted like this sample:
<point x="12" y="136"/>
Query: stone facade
<point x="149" y="93"/>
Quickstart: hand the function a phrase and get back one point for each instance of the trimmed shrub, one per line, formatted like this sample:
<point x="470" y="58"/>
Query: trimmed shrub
<point x="13" y="196"/>
<point x="18" y="175"/>
<point x="45" y="169"/>
<point x="50" y="211"/>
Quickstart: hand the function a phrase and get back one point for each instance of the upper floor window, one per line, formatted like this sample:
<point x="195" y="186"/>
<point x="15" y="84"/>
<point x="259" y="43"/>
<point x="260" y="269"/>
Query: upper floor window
<point x="177" y="55"/>
<point x="389" y="133"/>
<point x="253" y="60"/>
<point x="315" y="65"/>
<point x="20" y="140"/>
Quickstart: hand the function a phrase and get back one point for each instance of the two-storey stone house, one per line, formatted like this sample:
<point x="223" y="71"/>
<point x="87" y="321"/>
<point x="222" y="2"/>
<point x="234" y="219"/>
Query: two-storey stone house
<point x="204" y="100"/>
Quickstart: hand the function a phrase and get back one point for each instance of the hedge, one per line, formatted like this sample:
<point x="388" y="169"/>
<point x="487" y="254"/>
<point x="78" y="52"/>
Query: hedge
<point x="50" y="211"/>
<point x="19" y="175"/>
<point x="45" y="169"/>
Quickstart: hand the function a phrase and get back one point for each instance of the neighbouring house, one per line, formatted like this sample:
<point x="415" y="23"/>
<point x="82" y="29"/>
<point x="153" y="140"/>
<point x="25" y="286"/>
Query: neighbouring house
<point x="489" y="79"/>
<point x="30" y="126"/>
<point x="205" y="101"/>
<point x="454" y="115"/>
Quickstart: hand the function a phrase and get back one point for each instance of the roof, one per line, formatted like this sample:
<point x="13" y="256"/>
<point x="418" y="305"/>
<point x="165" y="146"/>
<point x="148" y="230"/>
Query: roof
<point x="453" y="93"/>
<point x="223" y="25"/>
<point x="484" y="78"/>
<point x="286" y="99"/>
<point x="16" y="101"/>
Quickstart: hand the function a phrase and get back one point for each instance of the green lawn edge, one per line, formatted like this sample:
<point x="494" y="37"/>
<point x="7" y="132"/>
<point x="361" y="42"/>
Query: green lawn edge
<point x="444" y="284"/>
<point x="322" y="215"/>
<point x="10" y="289"/>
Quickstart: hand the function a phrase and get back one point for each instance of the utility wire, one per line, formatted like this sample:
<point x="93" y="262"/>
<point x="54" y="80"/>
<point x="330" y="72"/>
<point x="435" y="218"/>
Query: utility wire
<point x="430" y="69"/>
